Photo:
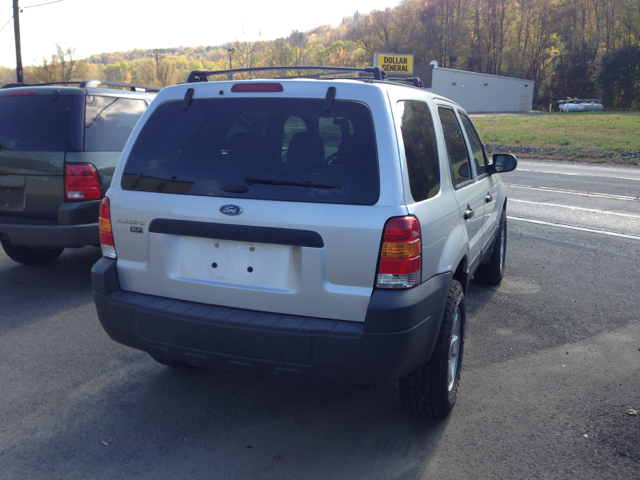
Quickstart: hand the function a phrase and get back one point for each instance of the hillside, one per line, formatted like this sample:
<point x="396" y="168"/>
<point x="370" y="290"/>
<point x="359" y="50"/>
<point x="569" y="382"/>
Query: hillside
<point x="577" y="48"/>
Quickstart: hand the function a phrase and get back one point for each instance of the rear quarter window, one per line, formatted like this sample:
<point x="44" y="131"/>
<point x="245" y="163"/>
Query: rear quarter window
<point x="456" y="148"/>
<point x="421" y="150"/>
<point x="34" y="123"/>
<point x="261" y="148"/>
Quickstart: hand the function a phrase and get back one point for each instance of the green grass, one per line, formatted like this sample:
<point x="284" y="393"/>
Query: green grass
<point x="609" y="131"/>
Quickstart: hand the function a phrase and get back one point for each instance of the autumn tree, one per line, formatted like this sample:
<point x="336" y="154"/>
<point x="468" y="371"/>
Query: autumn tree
<point x="565" y="46"/>
<point x="166" y="71"/>
<point x="147" y="72"/>
<point x="61" y="67"/>
<point x="619" y="77"/>
<point x="121" y="71"/>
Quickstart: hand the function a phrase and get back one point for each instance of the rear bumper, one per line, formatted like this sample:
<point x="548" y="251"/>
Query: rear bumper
<point x="397" y="337"/>
<point x="76" y="227"/>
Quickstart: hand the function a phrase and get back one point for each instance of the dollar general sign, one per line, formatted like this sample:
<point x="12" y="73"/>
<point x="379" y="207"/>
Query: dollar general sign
<point x="394" y="63"/>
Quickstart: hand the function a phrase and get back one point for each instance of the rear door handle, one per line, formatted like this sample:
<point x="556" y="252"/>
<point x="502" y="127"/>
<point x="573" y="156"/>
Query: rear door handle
<point x="468" y="212"/>
<point x="488" y="198"/>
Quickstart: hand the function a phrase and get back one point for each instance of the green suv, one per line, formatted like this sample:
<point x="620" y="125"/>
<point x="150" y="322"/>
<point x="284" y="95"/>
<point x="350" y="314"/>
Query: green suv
<point x="59" y="146"/>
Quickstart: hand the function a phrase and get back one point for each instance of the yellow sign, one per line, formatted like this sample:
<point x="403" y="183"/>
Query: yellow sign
<point x="341" y="75"/>
<point x="394" y="63"/>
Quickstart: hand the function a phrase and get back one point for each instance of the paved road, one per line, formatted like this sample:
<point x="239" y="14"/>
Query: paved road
<point x="551" y="371"/>
<point x="595" y="197"/>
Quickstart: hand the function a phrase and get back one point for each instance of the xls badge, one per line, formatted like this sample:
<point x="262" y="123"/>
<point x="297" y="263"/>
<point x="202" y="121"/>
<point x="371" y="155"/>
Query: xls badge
<point x="231" y="210"/>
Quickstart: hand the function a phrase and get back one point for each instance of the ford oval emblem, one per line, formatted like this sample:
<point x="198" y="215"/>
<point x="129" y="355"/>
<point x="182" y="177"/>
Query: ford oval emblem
<point x="231" y="209"/>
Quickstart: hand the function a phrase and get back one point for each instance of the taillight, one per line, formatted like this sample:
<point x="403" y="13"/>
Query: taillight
<point x="81" y="182"/>
<point x="401" y="254"/>
<point x="106" y="235"/>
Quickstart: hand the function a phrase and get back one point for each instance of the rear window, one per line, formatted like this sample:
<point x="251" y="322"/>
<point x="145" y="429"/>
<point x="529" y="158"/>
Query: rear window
<point x="261" y="148"/>
<point x="109" y="121"/>
<point x="33" y="123"/>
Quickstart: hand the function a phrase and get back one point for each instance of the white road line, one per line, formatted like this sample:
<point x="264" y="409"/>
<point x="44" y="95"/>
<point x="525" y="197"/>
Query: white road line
<point x="574" y="208"/>
<point x="576" y="192"/>
<point x="590" y="230"/>
<point x="637" y="179"/>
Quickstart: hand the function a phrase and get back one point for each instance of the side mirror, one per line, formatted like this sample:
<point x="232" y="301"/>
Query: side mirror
<point x="463" y="171"/>
<point x="502" y="162"/>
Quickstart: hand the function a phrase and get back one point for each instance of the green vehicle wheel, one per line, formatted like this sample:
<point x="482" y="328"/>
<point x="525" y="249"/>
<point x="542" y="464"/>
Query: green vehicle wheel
<point x="31" y="255"/>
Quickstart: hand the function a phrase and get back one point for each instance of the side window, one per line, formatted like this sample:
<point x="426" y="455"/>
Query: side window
<point x="477" y="150"/>
<point x="420" y="147"/>
<point x="458" y="157"/>
<point x="109" y="121"/>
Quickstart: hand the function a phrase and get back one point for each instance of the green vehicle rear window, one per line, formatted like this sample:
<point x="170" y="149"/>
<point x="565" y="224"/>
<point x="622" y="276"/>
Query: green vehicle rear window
<point x="261" y="148"/>
<point x="33" y="123"/>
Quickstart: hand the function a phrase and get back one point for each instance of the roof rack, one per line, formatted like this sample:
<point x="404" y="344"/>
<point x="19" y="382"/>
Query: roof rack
<point x="201" y="76"/>
<point x="88" y="84"/>
<point x="415" y="81"/>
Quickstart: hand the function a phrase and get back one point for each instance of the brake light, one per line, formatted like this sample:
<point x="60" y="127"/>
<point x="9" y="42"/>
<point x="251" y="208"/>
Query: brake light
<point x="20" y="93"/>
<point x="401" y="254"/>
<point x="106" y="235"/>
<point x="81" y="182"/>
<point x="257" y="87"/>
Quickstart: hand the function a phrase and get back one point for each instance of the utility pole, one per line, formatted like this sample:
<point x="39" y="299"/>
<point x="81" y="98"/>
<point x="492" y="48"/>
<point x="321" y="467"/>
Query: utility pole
<point x="231" y="50"/>
<point x="16" y="28"/>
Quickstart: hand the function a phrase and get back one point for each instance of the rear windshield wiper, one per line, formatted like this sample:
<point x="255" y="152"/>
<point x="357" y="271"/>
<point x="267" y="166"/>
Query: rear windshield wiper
<point x="289" y="183"/>
<point x="234" y="188"/>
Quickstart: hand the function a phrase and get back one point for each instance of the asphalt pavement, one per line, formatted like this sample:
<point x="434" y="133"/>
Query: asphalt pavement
<point x="550" y="385"/>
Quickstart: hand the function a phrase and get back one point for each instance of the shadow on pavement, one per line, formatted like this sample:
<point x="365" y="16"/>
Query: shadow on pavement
<point x="150" y="421"/>
<point x="56" y="287"/>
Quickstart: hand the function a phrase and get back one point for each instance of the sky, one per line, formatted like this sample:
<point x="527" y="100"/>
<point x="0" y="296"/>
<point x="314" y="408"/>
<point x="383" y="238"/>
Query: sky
<point x="94" y="27"/>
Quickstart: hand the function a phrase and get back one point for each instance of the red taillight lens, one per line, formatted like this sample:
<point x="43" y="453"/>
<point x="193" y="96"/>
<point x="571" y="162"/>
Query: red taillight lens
<point x="81" y="182"/>
<point x="401" y="254"/>
<point x="106" y="235"/>
<point x="257" y="87"/>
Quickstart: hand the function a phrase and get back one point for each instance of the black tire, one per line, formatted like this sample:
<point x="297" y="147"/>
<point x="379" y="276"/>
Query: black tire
<point x="31" y="255"/>
<point x="491" y="273"/>
<point x="432" y="391"/>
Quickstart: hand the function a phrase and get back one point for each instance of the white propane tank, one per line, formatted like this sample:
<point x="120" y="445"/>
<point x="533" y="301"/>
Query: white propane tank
<point x="573" y="107"/>
<point x="593" y="107"/>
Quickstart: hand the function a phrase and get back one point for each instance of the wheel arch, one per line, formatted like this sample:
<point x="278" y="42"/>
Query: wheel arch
<point x="455" y="256"/>
<point x="461" y="273"/>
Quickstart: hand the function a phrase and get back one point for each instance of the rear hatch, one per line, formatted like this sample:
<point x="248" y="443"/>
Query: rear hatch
<point x="274" y="202"/>
<point x="34" y="135"/>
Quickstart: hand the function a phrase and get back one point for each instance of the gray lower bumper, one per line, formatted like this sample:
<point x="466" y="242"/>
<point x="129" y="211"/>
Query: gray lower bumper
<point x="76" y="226"/>
<point x="396" y="338"/>
<point x="51" y="235"/>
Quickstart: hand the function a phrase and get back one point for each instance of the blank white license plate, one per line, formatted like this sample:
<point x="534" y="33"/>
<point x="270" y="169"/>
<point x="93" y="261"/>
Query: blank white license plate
<point x="230" y="262"/>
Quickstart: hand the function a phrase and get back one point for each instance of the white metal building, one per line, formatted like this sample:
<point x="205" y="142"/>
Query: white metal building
<point x="478" y="92"/>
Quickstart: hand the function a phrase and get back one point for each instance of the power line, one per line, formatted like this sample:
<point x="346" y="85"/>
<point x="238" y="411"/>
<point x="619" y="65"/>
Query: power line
<point x="41" y="4"/>
<point x="22" y="8"/>
<point x="6" y="23"/>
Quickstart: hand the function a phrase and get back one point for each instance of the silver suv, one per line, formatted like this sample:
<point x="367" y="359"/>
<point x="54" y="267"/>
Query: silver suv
<point x="316" y="229"/>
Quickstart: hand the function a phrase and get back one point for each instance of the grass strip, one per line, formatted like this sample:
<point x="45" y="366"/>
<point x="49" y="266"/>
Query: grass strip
<point x="588" y="134"/>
